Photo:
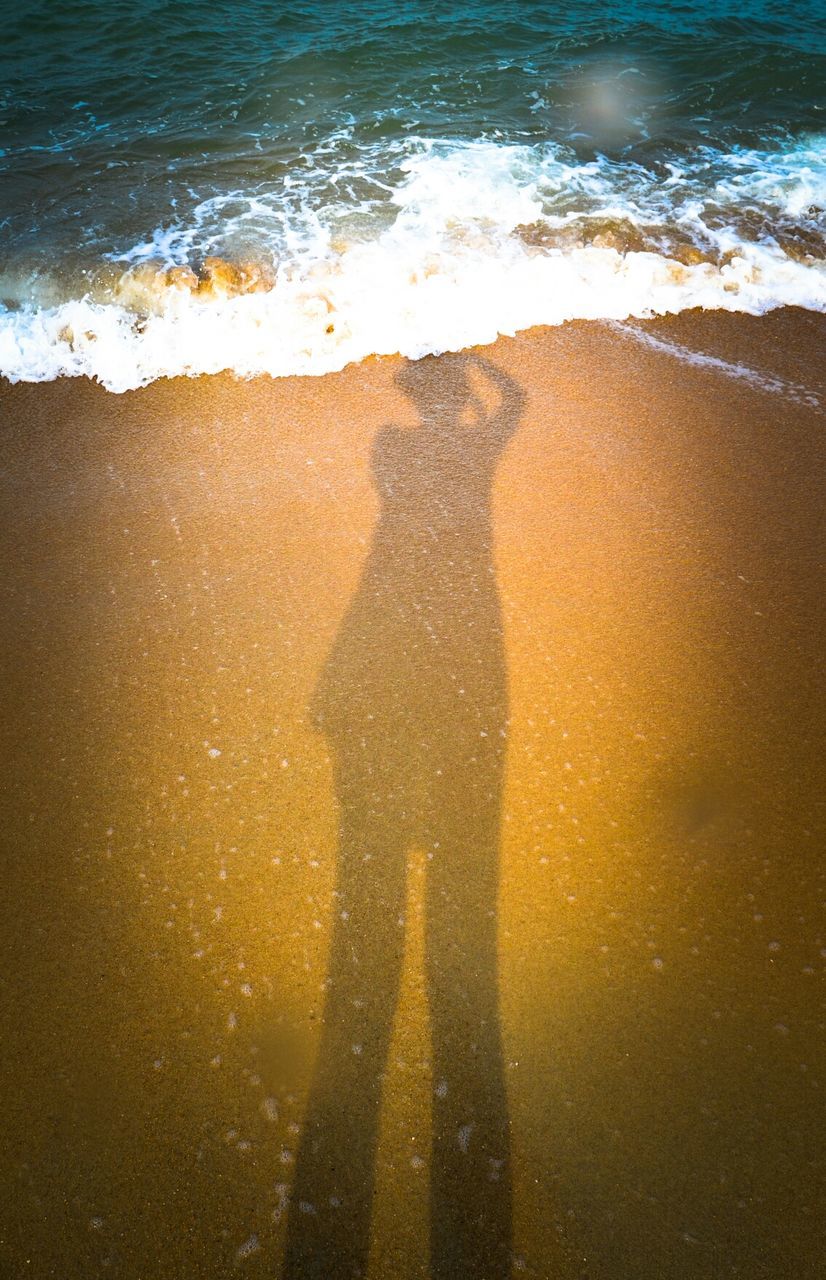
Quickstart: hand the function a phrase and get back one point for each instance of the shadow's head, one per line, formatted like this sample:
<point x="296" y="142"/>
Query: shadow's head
<point x="437" y="385"/>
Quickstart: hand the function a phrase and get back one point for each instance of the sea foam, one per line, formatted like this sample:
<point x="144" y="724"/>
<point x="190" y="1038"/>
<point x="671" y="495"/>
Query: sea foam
<point x="468" y="241"/>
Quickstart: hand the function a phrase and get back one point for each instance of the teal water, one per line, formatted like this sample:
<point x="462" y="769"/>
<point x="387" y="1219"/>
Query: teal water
<point x="157" y="133"/>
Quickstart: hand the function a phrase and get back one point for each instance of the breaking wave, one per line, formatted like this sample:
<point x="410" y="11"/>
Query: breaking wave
<point x="418" y="247"/>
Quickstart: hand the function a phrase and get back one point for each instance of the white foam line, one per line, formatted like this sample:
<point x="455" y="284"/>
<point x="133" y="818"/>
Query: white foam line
<point x="767" y="382"/>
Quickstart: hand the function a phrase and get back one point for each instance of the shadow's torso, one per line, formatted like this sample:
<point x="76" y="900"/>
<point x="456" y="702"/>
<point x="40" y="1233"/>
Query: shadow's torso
<point x="418" y="665"/>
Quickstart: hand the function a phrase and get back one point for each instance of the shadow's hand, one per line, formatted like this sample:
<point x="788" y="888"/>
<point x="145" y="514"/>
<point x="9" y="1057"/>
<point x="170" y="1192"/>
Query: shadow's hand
<point x="506" y="418"/>
<point x="497" y="376"/>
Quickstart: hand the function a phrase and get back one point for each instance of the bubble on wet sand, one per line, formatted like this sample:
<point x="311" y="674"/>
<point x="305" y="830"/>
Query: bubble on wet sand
<point x="249" y="1247"/>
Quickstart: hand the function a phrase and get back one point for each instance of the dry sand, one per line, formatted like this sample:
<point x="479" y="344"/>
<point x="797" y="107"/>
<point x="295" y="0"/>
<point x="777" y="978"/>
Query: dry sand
<point x="252" y="635"/>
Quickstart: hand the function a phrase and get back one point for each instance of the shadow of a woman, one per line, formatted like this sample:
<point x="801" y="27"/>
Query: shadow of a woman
<point x="413" y="701"/>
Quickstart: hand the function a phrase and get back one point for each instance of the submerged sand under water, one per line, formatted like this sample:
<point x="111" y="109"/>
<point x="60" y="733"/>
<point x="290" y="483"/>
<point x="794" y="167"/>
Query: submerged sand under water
<point x="511" y="659"/>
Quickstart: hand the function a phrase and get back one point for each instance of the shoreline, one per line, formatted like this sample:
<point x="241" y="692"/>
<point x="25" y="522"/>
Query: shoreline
<point x="179" y="562"/>
<point x="782" y="339"/>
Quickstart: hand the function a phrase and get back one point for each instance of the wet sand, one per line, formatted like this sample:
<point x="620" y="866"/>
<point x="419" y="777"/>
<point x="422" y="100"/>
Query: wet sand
<point x="414" y="802"/>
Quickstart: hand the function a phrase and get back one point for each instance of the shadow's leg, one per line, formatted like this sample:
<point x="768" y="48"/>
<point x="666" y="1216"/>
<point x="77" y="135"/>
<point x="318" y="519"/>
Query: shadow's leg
<point x="328" y="1236"/>
<point x="471" y="1173"/>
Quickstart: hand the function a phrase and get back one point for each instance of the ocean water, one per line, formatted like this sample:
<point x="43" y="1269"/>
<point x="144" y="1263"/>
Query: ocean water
<point x="259" y="187"/>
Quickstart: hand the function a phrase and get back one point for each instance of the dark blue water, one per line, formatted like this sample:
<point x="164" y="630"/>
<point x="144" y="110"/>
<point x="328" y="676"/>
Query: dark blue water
<point x="290" y="138"/>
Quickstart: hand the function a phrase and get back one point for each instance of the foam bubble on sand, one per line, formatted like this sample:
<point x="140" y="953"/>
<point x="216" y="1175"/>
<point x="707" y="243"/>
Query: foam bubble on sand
<point x="247" y="1249"/>
<point x="756" y="378"/>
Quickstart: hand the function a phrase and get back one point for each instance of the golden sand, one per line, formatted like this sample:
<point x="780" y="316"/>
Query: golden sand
<point x="513" y="660"/>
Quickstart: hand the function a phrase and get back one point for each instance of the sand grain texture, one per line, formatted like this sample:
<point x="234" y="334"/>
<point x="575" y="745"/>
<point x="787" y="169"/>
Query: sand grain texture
<point x="179" y="564"/>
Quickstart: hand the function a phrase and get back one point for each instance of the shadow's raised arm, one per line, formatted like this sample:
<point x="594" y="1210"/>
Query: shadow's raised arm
<point x="505" y="419"/>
